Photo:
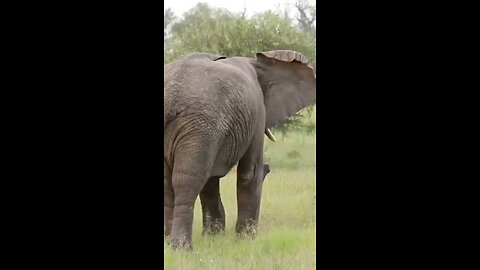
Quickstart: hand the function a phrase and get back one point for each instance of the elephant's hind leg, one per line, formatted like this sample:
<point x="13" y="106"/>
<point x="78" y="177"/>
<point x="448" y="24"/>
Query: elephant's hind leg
<point x="168" y="200"/>
<point x="212" y="207"/>
<point x="189" y="175"/>
<point x="168" y="204"/>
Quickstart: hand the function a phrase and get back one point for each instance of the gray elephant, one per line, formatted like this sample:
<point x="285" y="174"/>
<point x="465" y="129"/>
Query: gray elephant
<point x="216" y="112"/>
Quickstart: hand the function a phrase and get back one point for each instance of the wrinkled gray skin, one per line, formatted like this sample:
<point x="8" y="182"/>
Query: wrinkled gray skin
<point x="217" y="110"/>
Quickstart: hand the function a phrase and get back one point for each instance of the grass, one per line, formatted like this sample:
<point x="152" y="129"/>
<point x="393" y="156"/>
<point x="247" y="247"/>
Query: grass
<point x="286" y="234"/>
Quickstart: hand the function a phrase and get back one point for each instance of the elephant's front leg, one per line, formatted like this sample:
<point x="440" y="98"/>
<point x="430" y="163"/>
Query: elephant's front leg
<point x="250" y="177"/>
<point x="212" y="207"/>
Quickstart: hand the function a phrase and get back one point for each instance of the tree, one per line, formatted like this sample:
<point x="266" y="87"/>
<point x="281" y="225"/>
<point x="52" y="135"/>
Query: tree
<point x="307" y="16"/>
<point x="216" y="30"/>
<point x="168" y="17"/>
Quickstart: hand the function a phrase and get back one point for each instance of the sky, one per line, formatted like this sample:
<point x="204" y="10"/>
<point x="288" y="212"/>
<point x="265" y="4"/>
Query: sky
<point x="252" y="6"/>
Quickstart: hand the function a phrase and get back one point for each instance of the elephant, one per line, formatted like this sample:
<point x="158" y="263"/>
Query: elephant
<point x="217" y="110"/>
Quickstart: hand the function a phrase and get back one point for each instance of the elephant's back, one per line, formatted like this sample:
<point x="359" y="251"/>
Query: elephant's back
<point x="208" y="88"/>
<point x="203" y="79"/>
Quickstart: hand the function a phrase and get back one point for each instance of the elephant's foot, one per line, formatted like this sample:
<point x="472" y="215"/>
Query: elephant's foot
<point x="180" y="244"/>
<point x="181" y="235"/>
<point x="214" y="227"/>
<point x="246" y="228"/>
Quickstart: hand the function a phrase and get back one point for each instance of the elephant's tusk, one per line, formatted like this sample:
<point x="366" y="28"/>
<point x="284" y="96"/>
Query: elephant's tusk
<point x="269" y="134"/>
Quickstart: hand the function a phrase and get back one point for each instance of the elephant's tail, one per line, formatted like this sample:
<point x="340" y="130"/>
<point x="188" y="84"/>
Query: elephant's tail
<point x="169" y="111"/>
<point x="167" y="117"/>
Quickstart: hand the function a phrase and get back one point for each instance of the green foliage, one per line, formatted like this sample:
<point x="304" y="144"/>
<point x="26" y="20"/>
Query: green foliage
<point x="295" y="151"/>
<point x="216" y="30"/>
<point x="302" y="122"/>
<point x="219" y="31"/>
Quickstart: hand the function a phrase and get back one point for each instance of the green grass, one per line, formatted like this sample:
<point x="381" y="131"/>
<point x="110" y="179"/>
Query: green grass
<point x="286" y="233"/>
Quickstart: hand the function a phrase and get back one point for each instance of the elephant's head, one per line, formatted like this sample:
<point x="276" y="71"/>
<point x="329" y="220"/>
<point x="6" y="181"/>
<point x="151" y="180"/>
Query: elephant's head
<point x="288" y="83"/>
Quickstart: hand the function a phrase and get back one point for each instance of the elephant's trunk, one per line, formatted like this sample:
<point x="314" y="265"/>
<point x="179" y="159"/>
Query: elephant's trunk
<point x="269" y="134"/>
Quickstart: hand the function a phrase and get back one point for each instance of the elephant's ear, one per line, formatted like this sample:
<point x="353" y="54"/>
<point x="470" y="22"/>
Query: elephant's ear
<point x="288" y="83"/>
<point x="209" y="56"/>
